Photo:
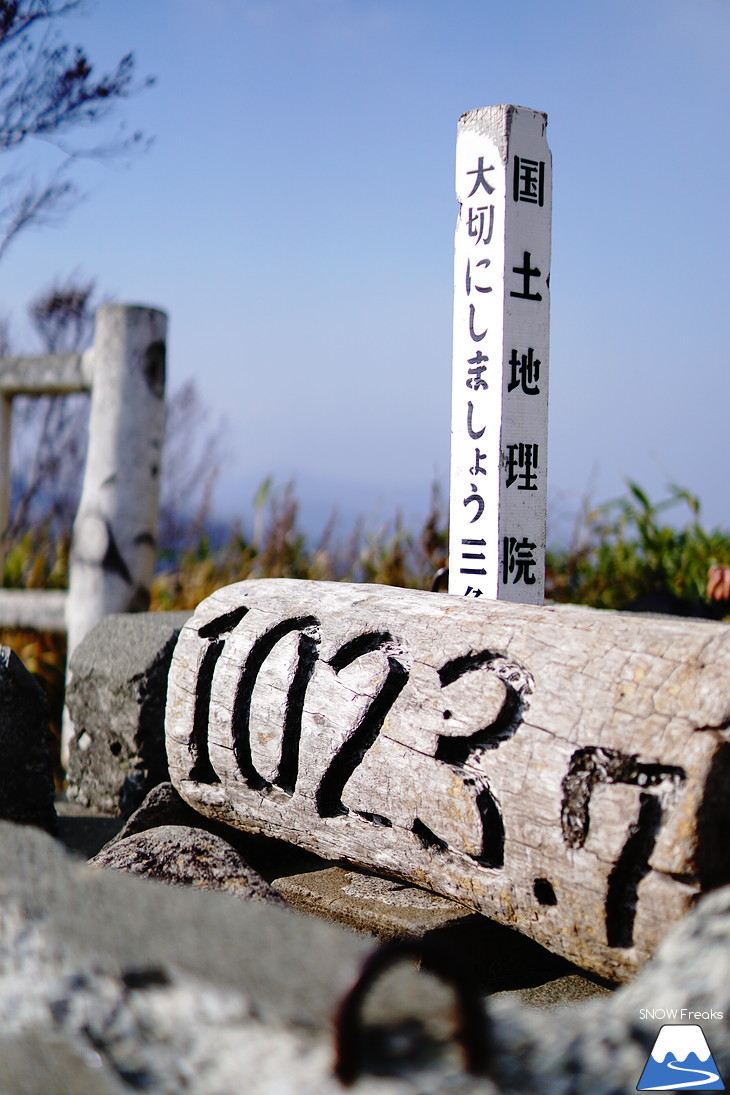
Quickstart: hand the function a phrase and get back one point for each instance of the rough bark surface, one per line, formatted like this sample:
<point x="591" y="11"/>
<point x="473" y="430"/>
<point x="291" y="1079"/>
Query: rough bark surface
<point x="558" y="769"/>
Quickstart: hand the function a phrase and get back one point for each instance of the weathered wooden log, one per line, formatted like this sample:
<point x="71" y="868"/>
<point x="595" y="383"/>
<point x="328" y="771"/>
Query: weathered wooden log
<point x="562" y="770"/>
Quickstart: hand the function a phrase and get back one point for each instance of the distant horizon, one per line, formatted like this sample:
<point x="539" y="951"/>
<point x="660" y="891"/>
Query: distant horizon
<point x="379" y="509"/>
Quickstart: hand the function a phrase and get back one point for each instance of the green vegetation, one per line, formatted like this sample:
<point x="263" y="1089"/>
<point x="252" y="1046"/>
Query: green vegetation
<point x="624" y="550"/>
<point x="621" y="551"/>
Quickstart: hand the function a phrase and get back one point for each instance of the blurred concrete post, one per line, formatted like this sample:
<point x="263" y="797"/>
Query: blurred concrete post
<point x="115" y="532"/>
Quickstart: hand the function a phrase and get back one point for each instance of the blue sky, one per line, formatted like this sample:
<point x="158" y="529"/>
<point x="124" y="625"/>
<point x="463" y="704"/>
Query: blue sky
<point x="295" y="217"/>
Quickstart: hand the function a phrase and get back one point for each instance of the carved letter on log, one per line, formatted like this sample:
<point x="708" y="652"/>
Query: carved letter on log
<point x="553" y="768"/>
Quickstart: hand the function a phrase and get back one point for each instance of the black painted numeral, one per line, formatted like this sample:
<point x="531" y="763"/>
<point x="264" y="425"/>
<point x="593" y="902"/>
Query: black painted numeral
<point x="288" y="769"/>
<point x="594" y="765"/>
<point x="457" y="751"/>
<point x="352" y="751"/>
<point x="201" y="767"/>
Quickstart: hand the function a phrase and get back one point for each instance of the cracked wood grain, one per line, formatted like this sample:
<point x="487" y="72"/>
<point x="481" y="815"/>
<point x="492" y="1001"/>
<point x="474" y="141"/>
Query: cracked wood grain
<point x="561" y="770"/>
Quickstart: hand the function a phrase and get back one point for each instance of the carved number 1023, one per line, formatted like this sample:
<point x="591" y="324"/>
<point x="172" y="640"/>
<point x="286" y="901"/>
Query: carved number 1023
<point x="453" y="751"/>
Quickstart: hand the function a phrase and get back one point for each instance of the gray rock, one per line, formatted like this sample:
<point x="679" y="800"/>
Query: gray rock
<point x="147" y="987"/>
<point x="184" y="856"/>
<point x="385" y="907"/>
<point x="35" y="1064"/>
<point x="601" y="1048"/>
<point x="163" y="806"/>
<point x="167" y="990"/>
<point x="501" y="958"/>
<point x="116" y="700"/>
<point x="26" y="768"/>
<point x="126" y="927"/>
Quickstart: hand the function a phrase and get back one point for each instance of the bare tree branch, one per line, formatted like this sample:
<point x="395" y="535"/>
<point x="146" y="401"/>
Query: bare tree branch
<point x="50" y="432"/>
<point x="48" y="89"/>
<point x="63" y="316"/>
<point x="190" y="468"/>
<point x="16" y="17"/>
<point x="32" y="205"/>
<point x="57" y="92"/>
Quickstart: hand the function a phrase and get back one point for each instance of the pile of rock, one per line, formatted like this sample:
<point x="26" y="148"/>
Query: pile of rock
<point x="110" y="983"/>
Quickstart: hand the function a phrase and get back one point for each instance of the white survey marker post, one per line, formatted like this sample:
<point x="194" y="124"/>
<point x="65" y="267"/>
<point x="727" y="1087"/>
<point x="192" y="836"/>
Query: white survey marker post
<point x="500" y="367"/>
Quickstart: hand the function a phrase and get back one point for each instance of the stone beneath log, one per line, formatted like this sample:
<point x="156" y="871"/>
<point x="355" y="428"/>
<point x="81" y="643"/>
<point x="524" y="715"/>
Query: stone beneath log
<point x="26" y="767"/>
<point x="116" y="700"/>
<point x="384" y="907"/>
<point x="181" y="856"/>
<point x="162" y="806"/>
<point x="559" y="769"/>
<point x="387" y="907"/>
<point x="502" y="960"/>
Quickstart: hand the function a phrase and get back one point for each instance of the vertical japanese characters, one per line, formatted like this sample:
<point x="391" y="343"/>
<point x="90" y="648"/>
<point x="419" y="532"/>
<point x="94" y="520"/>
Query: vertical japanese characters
<point x="500" y="366"/>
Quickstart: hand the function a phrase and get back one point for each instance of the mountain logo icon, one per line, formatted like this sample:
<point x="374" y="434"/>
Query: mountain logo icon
<point x="680" y="1061"/>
